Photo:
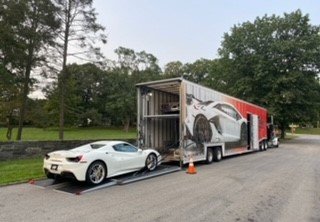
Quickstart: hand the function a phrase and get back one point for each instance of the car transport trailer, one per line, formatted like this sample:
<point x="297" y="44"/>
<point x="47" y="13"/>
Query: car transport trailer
<point x="182" y="120"/>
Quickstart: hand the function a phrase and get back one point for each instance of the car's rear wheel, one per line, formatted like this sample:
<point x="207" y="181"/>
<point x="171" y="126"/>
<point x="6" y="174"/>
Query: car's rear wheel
<point x="96" y="173"/>
<point x="202" y="130"/>
<point x="151" y="162"/>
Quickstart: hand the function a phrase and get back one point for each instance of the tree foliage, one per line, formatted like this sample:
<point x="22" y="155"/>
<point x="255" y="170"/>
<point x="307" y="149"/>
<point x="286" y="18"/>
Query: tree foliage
<point x="80" y="27"/>
<point x="274" y="62"/>
<point x="27" y="27"/>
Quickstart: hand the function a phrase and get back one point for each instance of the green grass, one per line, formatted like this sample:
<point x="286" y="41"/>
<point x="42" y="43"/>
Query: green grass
<point x="16" y="171"/>
<point x="313" y="131"/>
<point x="38" y="134"/>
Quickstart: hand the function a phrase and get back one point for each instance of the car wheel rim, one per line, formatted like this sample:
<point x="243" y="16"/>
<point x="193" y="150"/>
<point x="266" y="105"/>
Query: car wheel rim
<point x="97" y="173"/>
<point x="151" y="162"/>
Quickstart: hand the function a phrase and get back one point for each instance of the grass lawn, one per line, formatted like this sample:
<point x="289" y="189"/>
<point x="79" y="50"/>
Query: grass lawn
<point x="38" y="134"/>
<point x="15" y="171"/>
<point x="313" y="131"/>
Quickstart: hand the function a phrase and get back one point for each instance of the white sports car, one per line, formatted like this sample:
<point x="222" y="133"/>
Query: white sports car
<point x="99" y="160"/>
<point x="214" y="122"/>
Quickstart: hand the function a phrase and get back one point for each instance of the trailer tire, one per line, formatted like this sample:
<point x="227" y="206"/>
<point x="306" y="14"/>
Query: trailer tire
<point x="96" y="173"/>
<point x="209" y="158"/>
<point x="202" y="131"/>
<point x="265" y="145"/>
<point x="217" y="154"/>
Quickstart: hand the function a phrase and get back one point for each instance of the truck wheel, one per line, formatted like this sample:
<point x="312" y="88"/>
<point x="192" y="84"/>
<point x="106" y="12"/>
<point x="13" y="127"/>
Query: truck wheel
<point x="96" y="173"/>
<point x="209" y="158"/>
<point x="217" y="154"/>
<point x="202" y="130"/>
<point x="265" y="145"/>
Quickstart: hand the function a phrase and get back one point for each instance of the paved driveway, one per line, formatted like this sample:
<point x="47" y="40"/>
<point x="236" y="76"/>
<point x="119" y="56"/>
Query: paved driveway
<point x="277" y="185"/>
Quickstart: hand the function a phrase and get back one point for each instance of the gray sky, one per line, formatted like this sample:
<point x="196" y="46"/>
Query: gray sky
<point x="184" y="30"/>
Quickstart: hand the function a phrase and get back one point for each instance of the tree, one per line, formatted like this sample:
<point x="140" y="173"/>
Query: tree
<point x="79" y="25"/>
<point x="27" y="27"/>
<point x="8" y="99"/>
<point x="173" y="69"/>
<point x="131" y="68"/>
<point x="86" y="98"/>
<point x="274" y="62"/>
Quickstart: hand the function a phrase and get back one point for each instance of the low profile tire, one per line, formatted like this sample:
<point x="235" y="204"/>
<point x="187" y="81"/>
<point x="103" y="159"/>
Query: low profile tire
<point x="209" y="158"/>
<point x="151" y="162"/>
<point x="202" y="131"/>
<point x="217" y="154"/>
<point x="96" y="173"/>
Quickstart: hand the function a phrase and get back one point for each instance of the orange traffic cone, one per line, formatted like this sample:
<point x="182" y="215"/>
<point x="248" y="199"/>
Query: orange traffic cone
<point x="191" y="168"/>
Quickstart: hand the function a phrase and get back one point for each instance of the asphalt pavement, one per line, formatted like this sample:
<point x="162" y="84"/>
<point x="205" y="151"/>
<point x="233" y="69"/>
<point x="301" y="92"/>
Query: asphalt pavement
<point x="280" y="184"/>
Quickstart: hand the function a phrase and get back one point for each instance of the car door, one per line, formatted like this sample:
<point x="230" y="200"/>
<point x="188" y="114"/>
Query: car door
<point x="128" y="157"/>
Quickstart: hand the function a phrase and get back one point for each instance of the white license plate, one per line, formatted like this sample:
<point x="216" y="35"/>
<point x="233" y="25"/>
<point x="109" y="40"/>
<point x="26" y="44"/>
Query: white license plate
<point x="54" y="167"/>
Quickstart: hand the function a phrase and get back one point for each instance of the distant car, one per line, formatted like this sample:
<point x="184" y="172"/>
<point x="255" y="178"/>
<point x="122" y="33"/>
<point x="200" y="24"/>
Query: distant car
<point x="99" y="160"/>
<point x="211" y="121"/>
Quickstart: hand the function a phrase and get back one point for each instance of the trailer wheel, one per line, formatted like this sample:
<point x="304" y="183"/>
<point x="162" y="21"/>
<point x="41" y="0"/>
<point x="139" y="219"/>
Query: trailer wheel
<point x="217" y="154"/>
<point x="96" y="173"/>
<point x="209" y="158"/>
<point x="265" y="145"/>
<point x="151" y="162"/>
<point x="201" y="130"/>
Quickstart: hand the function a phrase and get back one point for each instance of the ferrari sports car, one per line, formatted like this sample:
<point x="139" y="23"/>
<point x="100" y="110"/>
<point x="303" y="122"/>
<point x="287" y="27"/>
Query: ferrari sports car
<point x="215" y="122"/>
<point x="99" y="160"/>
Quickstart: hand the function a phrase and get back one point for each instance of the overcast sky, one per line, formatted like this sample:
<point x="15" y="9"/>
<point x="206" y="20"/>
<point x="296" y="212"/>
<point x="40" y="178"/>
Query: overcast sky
<point x="184" y="30"/>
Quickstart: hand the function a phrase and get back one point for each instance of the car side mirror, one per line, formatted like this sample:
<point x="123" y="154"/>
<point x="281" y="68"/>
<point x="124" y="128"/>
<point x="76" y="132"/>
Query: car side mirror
<point x="139" y="150"/>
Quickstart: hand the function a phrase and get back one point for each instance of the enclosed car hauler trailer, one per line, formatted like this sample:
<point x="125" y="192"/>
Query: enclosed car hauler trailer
<point x="182" y="119"/>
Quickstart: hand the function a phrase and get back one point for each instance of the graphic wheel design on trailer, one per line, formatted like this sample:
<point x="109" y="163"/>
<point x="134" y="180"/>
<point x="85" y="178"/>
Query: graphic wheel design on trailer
<point x="202" y="131"/>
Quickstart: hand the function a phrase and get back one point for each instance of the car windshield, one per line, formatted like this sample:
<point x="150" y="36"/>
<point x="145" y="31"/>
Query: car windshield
<point x="97" y="146"/>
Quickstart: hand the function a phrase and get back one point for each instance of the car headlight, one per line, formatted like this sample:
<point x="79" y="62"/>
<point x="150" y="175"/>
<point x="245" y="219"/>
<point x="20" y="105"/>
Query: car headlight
<point x="47" y="156"/>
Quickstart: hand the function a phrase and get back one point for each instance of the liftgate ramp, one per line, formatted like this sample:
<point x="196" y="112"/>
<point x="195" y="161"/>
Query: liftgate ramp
<point x="78" y="188"/>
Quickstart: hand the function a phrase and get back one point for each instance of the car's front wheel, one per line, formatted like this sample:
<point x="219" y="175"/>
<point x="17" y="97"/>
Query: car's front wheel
<point x="96" y="173"/>
<point x="151" y="162"/>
